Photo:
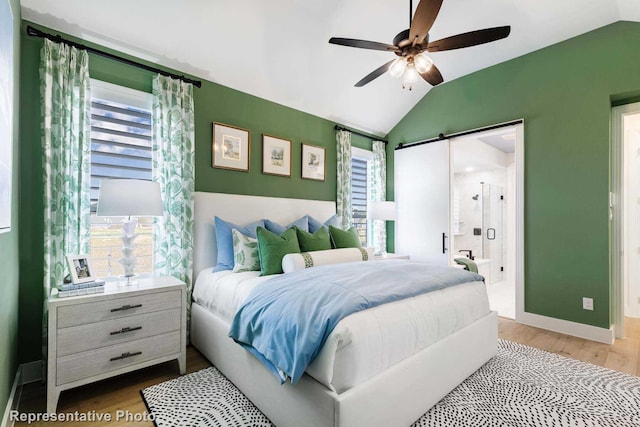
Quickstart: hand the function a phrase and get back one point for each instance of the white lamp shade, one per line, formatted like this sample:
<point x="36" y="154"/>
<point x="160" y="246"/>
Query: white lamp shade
<point x="129" y="197"/>
<point x="385" y="211"/>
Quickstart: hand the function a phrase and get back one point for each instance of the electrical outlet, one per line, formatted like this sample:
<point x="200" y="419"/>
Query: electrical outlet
<point x="587" y="303"/>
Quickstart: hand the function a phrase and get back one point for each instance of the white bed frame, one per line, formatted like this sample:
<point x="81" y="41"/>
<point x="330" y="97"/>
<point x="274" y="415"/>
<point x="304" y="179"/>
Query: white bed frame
<point x="397" y="396"/>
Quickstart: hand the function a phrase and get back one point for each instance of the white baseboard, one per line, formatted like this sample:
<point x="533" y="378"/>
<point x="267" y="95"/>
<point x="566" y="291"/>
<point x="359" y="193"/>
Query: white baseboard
<point x="25" y="374"/>
<point x="31" y="372"/>
<point x="580" y="330"/>
<point x="14" y="399"/>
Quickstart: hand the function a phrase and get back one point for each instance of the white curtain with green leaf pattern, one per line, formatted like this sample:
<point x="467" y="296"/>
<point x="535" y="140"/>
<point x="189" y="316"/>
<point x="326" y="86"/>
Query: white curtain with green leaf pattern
<point x="378" y="179"/>
<point x="343" y="196"/>
<point x="66" y="148"/>
<point x="173" y="168"/>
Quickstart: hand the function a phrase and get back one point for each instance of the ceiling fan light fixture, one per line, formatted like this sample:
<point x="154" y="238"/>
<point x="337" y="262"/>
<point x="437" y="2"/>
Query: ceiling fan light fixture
<point x="422" y="62"/>
<point x="398" y="67"/>
<point x="409" y="77"/>
<point x="412" y="45"/>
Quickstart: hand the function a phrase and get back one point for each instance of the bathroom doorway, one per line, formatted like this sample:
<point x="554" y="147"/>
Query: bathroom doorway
<point x="625" y="214"/>
<point x="483" y="212"/>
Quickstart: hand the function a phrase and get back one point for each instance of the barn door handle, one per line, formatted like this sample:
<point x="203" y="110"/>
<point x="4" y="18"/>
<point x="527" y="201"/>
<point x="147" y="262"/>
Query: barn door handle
<point x="444" y="246"/>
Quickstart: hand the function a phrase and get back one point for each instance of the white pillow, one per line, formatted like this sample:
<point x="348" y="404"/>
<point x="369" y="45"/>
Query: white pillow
<point x="295" y="262"/>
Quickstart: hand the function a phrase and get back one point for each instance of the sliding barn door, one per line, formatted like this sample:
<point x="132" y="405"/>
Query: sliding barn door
<point x="422" y="197"/>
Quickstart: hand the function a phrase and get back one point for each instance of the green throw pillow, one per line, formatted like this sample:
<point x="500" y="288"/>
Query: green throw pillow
<point x="245" y="252"/>
<point x="273" y="248"/>
<point x="318" y="241"/>
<point x="344" y="238"/>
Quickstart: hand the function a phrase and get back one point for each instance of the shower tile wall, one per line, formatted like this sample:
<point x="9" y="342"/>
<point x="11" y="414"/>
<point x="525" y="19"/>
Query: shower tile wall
<point x="469" y="211"/>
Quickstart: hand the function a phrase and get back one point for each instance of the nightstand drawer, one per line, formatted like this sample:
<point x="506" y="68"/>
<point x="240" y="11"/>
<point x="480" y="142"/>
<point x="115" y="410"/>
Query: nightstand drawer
<point x="96" y="362"/>
<point x="84" y="313"/>
<point x="76" y="339"/>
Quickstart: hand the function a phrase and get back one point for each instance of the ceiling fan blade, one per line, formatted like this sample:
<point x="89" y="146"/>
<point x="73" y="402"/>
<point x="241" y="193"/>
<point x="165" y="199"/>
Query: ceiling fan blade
<point x="374" y="74"/>
<point x="471" y="38"/>
<point x="423" y="19"/>
<point x="363" y="44"/>
<point x="432" y="76"/>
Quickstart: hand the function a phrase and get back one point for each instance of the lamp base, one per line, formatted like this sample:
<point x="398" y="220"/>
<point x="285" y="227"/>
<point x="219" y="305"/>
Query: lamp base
<point x="125" y="281"/>
<point x="128" y="259"/>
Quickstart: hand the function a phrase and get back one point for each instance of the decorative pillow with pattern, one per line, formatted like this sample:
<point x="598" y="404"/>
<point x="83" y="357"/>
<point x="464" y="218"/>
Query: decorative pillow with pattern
<point x="224" y="240"/>
<point x="295" y="262"/>
<point x="245" y="252"/>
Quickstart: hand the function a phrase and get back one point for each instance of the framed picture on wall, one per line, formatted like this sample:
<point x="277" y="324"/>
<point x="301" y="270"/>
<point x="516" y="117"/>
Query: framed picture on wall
<point x="313" y="162"/>
<point x="80" y="267"/>
<point x="276" y="156"/>
<point x="230" y="147"/>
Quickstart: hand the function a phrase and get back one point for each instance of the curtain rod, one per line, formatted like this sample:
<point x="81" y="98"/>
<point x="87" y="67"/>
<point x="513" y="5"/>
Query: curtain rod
<point x="58" y="39"/>
<point x="454" y="135"/>
<point x="338" y="127"/>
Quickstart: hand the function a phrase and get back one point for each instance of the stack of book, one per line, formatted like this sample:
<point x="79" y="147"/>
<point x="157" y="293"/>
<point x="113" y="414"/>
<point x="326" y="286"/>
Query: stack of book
<point x="72" y="290"/>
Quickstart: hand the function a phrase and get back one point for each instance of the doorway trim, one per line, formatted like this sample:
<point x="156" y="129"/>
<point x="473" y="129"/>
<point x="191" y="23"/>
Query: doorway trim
<point x="518" y="126"/>
<point x="520" y="222"/>
<point x="616" y="214"/>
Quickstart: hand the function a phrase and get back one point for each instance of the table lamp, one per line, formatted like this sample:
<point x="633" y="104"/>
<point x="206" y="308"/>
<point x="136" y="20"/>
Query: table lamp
<point x="383" y="211"/>
<point x="130" y="198"/>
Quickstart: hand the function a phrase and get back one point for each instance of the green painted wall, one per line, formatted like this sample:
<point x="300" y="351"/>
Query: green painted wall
<point x="31" y="244"/>
<point x="213" y="102"/>
<point x="564" y="93"/>
<point x="9" y="249"/>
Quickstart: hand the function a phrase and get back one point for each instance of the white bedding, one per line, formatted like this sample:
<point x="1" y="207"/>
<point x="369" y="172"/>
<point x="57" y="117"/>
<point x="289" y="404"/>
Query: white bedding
<point x="364" y="343"/>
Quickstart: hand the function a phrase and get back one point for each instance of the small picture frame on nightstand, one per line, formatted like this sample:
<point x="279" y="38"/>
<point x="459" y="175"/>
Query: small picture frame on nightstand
<point x="80" y="267"/>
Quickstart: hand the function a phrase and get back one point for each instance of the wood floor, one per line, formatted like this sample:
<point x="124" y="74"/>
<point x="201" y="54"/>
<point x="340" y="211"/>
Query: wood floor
<point x="123" y="393"/>
<point x="623" y="355"/>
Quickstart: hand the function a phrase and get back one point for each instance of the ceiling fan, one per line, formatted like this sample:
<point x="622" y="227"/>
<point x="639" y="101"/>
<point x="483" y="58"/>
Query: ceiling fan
<point x="412" y="45"/>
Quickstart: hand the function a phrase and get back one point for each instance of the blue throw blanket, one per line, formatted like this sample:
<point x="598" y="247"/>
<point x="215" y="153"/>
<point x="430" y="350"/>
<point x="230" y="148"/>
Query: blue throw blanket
<point x="286" y="320"/>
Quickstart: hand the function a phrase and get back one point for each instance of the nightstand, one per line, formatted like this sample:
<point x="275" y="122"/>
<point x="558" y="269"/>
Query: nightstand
<point x="386" y="256"/>
<point x="97" y="336"/>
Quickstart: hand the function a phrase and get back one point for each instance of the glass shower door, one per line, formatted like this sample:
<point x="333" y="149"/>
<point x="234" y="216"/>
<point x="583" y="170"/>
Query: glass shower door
<point x="493" y="226"/>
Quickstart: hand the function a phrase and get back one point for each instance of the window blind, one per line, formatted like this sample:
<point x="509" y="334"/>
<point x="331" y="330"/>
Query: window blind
<point x="120" y="148"/>
<point x="120" y="143"/>
<point x="359" y="195"/>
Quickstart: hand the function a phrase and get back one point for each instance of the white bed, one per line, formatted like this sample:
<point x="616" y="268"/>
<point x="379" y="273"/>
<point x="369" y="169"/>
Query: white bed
<point x="363" y="375"/>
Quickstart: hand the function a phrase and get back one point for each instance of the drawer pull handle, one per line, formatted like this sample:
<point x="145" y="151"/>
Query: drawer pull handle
<point x="126" y="307"/>
<point x="125" y="355"/>
<point x="126" y="329"/>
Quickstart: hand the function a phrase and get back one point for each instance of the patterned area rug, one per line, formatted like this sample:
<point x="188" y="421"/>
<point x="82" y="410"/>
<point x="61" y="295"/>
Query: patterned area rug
<point x="521" y="386"/>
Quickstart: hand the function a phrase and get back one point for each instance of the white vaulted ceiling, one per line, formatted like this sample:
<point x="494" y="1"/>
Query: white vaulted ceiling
<point x="279" y="50"/>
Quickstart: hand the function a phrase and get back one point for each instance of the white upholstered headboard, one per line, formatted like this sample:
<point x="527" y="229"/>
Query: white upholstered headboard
<point x="242" y="210"/>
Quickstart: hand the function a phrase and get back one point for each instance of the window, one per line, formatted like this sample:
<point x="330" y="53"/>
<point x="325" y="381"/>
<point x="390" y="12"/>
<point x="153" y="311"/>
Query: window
<point x="120" y="148"/>
<point x="360" y="190"/>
